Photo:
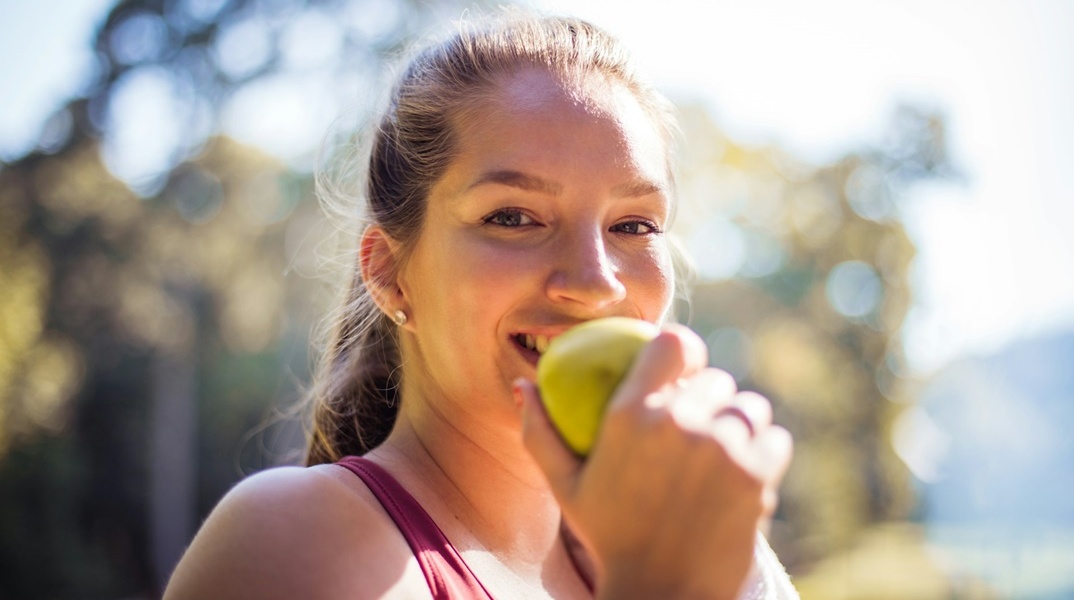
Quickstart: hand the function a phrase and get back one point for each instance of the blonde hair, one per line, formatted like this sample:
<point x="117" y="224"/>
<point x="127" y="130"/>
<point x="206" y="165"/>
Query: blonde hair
<point x="355" y="395"/>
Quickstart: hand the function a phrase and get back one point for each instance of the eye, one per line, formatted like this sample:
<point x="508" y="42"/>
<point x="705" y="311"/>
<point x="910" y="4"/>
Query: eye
<point x="509" y="217"/>
<point x="636" y="227"/>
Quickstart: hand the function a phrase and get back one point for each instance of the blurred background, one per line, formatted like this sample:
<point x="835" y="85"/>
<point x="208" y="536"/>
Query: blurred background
<point x="876" y="193"/>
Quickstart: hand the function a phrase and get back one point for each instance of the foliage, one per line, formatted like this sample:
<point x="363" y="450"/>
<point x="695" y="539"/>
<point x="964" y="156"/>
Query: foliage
<point x="803" y="287"/>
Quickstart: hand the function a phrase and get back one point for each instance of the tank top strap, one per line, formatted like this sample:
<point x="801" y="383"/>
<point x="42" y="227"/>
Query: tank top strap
<point x="448" y="575"/>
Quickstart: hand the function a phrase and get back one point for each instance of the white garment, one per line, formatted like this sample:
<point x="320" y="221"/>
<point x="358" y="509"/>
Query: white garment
<point x="768" y="580"/>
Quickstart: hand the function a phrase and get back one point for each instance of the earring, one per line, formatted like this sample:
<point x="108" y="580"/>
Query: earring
<point x="399" y="317"/>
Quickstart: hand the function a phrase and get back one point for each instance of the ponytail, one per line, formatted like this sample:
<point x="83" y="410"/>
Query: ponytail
<point x="356" y="396"/>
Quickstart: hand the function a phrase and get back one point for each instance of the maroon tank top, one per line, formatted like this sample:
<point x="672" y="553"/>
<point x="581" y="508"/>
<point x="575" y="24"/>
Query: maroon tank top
<point x="448" y="575"/>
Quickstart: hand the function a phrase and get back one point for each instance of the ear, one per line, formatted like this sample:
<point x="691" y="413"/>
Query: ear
<point x="378" y="259"/>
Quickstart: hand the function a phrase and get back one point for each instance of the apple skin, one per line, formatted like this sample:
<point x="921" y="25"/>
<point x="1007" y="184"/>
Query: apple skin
<point x="580" y="370"/>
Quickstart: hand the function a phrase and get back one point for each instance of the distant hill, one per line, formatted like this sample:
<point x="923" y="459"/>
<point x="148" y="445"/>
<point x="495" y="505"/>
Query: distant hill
<point x="1001" y="504"/>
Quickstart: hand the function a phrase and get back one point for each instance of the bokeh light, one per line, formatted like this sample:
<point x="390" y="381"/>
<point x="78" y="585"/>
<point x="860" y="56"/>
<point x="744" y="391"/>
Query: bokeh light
<point x="854" y="289"/>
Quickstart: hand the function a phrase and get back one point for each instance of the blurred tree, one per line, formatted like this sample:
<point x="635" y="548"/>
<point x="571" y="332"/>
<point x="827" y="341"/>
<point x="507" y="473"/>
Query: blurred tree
<point x="803" y="285"/>
<point x="149" y="323"/>
<point x="133" y="323"/>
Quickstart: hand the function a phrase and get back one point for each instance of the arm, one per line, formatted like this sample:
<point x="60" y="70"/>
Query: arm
<point x="293" y="533"/>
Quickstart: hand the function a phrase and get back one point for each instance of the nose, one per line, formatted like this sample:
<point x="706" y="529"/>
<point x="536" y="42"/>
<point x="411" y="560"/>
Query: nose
<point x="584" y="274"/>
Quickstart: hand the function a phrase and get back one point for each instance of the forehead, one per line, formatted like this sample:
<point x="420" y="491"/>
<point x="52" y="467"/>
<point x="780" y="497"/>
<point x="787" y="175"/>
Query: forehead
<point x="533" y="120"/>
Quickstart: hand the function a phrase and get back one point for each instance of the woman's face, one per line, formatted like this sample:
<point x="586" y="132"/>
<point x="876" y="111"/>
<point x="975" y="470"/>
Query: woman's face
<point x="552" y="213"/>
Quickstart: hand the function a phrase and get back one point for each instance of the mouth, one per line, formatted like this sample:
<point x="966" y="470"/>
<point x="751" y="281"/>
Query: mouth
<point x="532" y="342"/>
<point x="533" y="346"/>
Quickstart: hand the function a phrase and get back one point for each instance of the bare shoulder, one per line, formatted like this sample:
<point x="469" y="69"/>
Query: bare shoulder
<point x="297" y="533"/>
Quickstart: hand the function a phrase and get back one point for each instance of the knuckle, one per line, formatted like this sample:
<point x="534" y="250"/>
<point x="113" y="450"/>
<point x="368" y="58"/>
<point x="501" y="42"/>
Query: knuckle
<point x="722" y="380"/>
<point x="725" y="380"/>
<point x="689" y="340"/>
<point x="781" y="439"/>
<point x="754" y="397"/>
<point x="672" y="346"/>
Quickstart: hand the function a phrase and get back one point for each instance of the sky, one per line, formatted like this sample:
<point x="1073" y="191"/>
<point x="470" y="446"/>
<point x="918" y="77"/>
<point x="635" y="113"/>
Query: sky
<point x="45" y="58"/>
<point x="995" y="252"/>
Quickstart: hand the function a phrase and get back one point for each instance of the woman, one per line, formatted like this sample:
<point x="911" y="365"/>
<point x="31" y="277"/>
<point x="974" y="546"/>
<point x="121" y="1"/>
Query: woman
<point x="519" y="184"/>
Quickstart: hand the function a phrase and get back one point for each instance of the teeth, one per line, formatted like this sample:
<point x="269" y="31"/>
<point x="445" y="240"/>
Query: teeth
<point x="538" y="343"/>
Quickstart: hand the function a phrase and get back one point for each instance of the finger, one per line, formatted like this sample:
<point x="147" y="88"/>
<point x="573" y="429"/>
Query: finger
<point x="732" y="426"/>
<point x="772" y="458"/>
<point x="544" y="443"/>
<point x="696" y="352"/>
<point x="756" y="409"/>
<point x="701" y="396"/>
<point x="741" y="420"/>
<point x="669" y="356"/>
<point x="773" y="449"/>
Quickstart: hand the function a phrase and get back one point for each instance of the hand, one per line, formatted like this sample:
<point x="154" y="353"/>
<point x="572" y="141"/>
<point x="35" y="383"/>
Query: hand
<point x="682" y="471"/>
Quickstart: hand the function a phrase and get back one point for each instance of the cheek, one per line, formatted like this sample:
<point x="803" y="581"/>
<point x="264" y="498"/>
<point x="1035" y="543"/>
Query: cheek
<point x="650" y="280"/>
<point x="467" y="288"/>
<point x="491" y="268"/>
<point x="466" y="280"/>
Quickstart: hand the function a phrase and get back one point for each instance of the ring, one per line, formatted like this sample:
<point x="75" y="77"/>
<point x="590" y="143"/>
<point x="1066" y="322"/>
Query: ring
<point x="736" y="411"/>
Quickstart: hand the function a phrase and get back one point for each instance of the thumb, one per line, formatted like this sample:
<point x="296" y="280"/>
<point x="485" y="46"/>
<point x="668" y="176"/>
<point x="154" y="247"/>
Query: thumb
<point x="540" y="437"/>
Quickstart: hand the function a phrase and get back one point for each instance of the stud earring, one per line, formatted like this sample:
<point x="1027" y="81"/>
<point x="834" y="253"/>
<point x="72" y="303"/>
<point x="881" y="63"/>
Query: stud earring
<point x="399" y="317"/>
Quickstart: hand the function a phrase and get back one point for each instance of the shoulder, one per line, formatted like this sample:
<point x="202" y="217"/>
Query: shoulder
<point x="295" y="533"/>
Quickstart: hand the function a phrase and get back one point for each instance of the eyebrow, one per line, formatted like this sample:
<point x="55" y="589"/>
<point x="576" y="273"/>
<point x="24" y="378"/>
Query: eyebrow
<point x="532" y="183"/>
<point x="516" y="179"/>
<point x="638" y="188"/>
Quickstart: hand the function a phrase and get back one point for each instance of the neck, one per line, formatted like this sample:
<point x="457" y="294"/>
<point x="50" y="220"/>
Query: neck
<point x="474" y="477"/>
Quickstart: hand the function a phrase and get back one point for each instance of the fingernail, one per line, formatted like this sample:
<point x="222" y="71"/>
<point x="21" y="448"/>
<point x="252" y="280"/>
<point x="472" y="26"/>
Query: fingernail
<point x="516" y="390"/>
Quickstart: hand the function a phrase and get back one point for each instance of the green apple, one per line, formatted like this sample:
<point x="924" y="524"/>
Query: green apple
<point x="580" y="370"/>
